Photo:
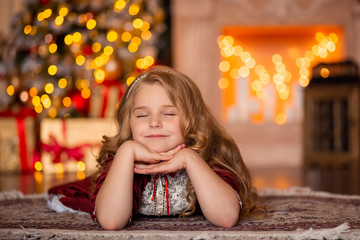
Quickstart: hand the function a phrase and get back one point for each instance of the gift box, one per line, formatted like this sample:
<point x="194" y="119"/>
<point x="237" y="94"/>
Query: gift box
<point x="66" y="143"/>
<point x="17" y="141"/>
<point x="104" y="98"/>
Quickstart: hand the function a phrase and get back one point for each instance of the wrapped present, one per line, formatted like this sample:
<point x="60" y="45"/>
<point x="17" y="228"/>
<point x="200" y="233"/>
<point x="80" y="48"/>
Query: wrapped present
<point x="104" y="99"/>
<point x="66" y="143"/>
<point x="17" y="141"/>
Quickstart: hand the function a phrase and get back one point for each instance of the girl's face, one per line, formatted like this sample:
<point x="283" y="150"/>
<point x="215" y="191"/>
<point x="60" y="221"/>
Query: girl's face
<point x="154" y="120"/>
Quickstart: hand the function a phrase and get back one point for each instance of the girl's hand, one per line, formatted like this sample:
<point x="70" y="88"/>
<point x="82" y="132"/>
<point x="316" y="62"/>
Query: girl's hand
<point x="175" y="164"/>
<point x="142" y="154"/>
<point x="174" y="150"/>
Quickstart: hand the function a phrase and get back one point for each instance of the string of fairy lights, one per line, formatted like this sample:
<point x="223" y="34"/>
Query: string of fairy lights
<point x="95" y="46"/>
<point x="237" y="63"/>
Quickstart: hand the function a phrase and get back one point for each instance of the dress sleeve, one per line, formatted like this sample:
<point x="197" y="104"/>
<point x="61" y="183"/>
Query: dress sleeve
<point x="230" y="179"/>
<point x="98" y="183"/>
<point x="139" y="184"/>
<point x="74" y="195"/>
<point x="227" y="177"/>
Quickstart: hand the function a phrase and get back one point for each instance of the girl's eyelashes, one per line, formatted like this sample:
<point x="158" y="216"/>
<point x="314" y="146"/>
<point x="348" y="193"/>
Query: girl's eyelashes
<point x="145" y="115"/>
<point x="166" y="113"/>
<point x="170" y="112"/>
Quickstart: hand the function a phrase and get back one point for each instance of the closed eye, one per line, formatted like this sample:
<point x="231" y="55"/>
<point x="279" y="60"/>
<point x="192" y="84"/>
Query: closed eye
<point x="141" y="116"/>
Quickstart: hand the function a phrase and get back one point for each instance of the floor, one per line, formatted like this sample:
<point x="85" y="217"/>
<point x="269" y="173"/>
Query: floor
<point x="334" y="181"/>
<point x="344" y="182"/>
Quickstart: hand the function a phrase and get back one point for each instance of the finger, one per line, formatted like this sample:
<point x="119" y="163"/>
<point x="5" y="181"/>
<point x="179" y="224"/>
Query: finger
<point x="148" y="161"/>
<point x="175" y="150"/>
<point x="158" y="168"/>
<point x="154" y="169"/>
<point x="155" y="158"/>
<point x="143" y="166"/>
<point x="162" y="157"/>
<point x="139" y="171"/>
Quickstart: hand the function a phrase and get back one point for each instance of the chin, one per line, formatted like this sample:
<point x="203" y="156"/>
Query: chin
<point x="160" y="148"/>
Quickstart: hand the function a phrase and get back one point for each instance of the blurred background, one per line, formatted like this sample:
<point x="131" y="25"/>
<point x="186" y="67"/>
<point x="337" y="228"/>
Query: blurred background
<point x="281" y="75"/>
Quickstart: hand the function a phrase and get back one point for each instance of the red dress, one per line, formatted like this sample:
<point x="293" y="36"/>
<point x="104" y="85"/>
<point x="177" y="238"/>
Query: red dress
<point x="81" y="195"/>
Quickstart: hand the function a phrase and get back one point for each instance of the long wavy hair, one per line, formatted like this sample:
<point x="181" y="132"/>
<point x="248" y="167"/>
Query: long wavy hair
<point x="200" y="129"/>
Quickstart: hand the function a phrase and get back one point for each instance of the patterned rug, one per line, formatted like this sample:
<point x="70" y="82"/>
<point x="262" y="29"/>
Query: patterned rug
<point x="296" y="213"/>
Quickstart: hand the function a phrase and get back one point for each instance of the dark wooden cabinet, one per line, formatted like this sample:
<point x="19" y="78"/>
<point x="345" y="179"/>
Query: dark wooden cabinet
<point x="331" y="136"/>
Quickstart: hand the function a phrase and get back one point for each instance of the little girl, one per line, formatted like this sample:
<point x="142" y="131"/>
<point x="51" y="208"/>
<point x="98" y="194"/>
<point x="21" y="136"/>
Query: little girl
<point x="169" y="157"/>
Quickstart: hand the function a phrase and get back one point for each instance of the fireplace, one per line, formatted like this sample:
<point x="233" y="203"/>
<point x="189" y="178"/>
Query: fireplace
<point x="265" y="69"/>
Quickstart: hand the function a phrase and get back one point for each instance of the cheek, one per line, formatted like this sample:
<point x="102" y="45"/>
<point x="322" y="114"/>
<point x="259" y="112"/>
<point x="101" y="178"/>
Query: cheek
<point x="176" y="128"/>
<point x="182" y="127"/>
<point x="135" y="130"/>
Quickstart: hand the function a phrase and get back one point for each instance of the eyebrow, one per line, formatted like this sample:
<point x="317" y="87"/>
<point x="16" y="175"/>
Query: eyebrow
<point x="162" y="106"/>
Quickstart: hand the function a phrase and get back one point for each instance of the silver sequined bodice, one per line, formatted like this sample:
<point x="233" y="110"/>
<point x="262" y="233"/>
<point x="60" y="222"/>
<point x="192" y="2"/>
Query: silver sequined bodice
<point x="157" y="204"/>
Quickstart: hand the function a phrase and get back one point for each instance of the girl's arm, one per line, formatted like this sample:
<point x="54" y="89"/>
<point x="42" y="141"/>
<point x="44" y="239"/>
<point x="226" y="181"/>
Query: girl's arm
<point x="217" y="199"/>
<point x="114" y="201"/>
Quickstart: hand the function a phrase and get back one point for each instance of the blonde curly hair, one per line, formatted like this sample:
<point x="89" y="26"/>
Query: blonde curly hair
<point x="200" y="129"/>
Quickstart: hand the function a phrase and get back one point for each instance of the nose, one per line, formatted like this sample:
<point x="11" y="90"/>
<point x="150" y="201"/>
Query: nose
<point x="155" y="122"/>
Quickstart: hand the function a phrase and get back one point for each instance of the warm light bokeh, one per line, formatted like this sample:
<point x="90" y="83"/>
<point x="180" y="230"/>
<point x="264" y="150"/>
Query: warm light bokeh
<point x="271" y="63"/>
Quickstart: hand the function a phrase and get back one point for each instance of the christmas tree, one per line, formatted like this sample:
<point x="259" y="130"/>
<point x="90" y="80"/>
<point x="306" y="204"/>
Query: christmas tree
<point x="62" y="49"/>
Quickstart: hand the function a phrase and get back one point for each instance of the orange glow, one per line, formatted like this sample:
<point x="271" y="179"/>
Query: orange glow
<point x="223" y="83"/>
<point x="38" y="166"/>
<point x="304" y="81"/>
<point x="10" y="90"/>
<point x="244" y="72"/>
<point x="81" y="166"/>
<point x="281" y="56"/>
<point x="224" y="66"/>
<point x="259" y="182"/>
<point x="281" y="118"/>
<point x="38" y="176"/>
<point x="324" y="72"/>
<point x="257" y="118"/>
<point x="282" y="182"/>
<point x="67" y="101"/>
<point x="276" y="58"/>
<point x="81" y="175"/>
<point x="59" y="168"/>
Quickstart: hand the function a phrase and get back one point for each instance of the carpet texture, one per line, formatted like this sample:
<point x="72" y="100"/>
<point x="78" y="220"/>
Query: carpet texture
<point x="296" y="213"/>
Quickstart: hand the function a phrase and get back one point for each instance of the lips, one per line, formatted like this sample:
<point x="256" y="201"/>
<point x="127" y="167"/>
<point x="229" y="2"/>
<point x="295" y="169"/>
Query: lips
<point x="156" y="136"/>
